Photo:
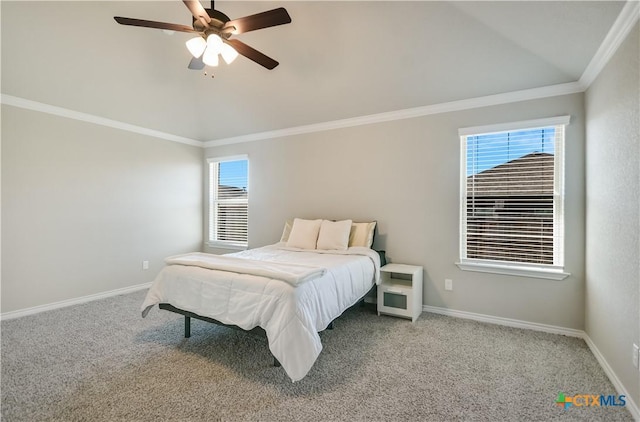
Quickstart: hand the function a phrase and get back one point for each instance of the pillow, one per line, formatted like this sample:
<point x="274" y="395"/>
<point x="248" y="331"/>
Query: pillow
<point x="304" y="234"/>
<point x="334" y="235"/>
<point x="287" y="230"/>
<point x="362" y="234"/>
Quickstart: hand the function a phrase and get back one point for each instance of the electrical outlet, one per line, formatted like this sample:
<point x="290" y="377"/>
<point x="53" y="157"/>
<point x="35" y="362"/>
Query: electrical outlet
<point x="448" y="284"/>
<point x="145" y="265"/>
<point x="635" y="355"/>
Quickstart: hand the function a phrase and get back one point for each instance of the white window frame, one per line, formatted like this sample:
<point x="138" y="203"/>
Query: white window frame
<point x="212" y="165"/>
<point x="553" y="272"/>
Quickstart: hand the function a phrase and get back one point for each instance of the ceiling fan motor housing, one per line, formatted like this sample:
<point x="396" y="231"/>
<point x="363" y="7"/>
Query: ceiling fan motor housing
<point x="218" y="19"/>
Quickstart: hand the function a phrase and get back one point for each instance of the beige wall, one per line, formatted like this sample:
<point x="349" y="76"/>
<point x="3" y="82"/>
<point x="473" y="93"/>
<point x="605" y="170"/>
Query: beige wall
<point x="613" y="210"/>
<point x="83" y="205"/>
<point x="406" y="175"/>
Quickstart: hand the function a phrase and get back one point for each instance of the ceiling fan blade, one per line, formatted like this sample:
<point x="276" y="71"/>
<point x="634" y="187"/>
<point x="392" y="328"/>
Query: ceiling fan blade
<point x="153" y="24"/>
<point x="196" y="63"/>
<point x="252" y="54"/>
<point x="266" y="19"/>
<point x="198" y="12"/>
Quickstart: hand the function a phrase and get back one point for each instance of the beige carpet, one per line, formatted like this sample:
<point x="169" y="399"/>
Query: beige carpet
<point x="102" y="362"/>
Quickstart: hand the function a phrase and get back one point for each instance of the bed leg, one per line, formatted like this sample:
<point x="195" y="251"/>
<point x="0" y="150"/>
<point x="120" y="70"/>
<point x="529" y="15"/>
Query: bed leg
<point x="330" y="326"/>
<point x="187" y="327"/>
<point x="276" y="363"/>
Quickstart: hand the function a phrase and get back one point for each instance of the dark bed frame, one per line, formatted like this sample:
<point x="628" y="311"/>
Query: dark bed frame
<point x="257" y="331"/>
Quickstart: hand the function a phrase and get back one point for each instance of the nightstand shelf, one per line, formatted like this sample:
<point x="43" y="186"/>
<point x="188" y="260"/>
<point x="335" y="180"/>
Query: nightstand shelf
<point x="400" y="291"/>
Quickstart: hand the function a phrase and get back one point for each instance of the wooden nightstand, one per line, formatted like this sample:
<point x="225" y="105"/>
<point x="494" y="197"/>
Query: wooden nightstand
<point x="400" y="291"/>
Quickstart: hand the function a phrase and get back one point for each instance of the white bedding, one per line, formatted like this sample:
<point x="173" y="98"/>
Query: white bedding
<point x="292" y="273"/>
<point x="290" y="314"/>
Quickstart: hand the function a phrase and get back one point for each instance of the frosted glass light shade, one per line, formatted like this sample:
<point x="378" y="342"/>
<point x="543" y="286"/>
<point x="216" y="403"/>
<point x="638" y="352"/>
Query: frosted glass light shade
<point x="196" y="46"/>
<point x="210" y="57"/>
<point x="228" y="53"/>
<point x="214" y="43"/>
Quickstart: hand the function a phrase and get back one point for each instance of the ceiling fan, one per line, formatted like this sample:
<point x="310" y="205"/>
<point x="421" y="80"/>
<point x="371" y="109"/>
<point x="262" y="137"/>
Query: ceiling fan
<point x="214" y="30"/>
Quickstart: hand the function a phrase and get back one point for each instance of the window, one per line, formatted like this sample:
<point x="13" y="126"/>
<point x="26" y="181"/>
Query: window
<point x="512" y="197"/>
<point x="228" y="202"/>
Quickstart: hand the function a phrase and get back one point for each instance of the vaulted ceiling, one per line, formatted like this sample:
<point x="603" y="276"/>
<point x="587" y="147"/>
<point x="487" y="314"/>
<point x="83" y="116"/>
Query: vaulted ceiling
<point x="338" y="59"/>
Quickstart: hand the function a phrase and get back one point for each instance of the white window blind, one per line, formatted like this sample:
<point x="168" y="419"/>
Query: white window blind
<point x="512" y="195"/>
<point x="228" y="201"/>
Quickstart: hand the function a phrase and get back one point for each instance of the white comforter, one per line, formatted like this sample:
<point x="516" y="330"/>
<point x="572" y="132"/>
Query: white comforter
<point x="292" y="273"/>
<point x="290" y="313"/>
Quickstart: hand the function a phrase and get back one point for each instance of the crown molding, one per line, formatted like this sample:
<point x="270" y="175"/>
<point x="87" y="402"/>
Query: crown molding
<point x="617" y="34"/>
<point x="84" y="117"/>
<point x="615" y="37"/>
<point x="471" y="103"/>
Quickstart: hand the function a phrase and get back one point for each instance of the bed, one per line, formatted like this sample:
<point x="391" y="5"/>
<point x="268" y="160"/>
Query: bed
<point x="292" y="289"/>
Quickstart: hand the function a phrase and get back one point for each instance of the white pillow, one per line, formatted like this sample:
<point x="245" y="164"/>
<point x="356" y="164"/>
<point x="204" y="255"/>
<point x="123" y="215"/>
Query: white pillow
<point x="362" y="234"/>
<point x="334" y="235"/>
<point x="304" y="234"/>
<point x="287" y="230"/>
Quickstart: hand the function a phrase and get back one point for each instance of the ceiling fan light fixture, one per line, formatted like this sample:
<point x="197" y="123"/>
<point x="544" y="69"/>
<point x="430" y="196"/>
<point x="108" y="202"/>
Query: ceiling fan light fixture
<point x="196" y="46"/>
<point x="228" y="53"/>
<point x="214" y="43"/>
<point x="215" y="29"/>
<point x="210" y="57"/>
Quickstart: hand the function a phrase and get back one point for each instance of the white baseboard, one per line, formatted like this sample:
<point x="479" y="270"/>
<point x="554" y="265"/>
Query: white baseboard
<point x="516" y="323"/>
<point x="631" y="404"/>
<point x="70" y="302"/>
<point x="617" y="384"/>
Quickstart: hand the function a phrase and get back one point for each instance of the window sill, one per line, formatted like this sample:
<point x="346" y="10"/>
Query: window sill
<point x="225" y="245"/>
<point x="516" y="270"/>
